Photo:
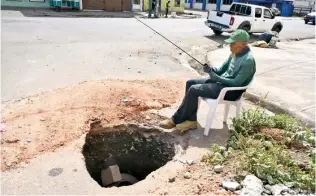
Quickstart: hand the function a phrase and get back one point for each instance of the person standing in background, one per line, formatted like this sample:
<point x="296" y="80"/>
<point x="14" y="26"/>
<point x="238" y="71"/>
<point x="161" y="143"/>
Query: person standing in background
<point x="167" y="8"/>
<point x="153" y="7"/>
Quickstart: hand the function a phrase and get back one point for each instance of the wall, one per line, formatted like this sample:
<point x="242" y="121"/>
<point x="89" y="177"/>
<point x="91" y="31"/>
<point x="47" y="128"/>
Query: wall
<point x="197" y="6"/>
<point x="210" y="6"/>
<point x="146" y="5"/>
<point x="304" y="3"/>
<point x="25" y="3"/>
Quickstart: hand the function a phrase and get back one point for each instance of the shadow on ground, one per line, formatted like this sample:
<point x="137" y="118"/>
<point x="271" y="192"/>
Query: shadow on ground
<point x="70" y="13"/>
<point x="219" y="136"/>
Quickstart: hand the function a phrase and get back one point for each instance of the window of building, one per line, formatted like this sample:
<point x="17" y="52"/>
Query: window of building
<point x="258" y="13"/>
<point x="227" y="2"/>
<point x="177" y="3"/>
<point x="212" y="1"/>
<point x="199" y="1"/>
<point x="267" y="14"/>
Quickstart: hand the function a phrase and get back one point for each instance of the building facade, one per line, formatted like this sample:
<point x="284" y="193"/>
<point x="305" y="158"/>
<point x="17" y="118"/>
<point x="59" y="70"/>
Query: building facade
<point x="26" y="3"/>
<point x="209" y="4"/>
<point x="305" y="3"/>
<point x="107" y="5"/>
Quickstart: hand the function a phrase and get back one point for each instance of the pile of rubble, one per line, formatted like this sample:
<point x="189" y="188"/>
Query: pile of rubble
<point x="253" y="186"/>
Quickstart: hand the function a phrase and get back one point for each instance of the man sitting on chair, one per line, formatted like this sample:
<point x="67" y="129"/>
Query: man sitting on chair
<point x="237" y="71"/>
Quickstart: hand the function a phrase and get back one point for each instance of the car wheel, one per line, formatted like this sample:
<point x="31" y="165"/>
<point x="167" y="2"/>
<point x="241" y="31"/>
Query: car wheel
<point x="306" y="21"/>
<point x="246" y="28"/>
<point x="277" y="29"/>
<point x="314" y="22"/>
<point x="217" y="32"/>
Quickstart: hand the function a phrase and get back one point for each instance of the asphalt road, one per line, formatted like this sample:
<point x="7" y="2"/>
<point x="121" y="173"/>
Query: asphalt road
<point x="40" y="54"/>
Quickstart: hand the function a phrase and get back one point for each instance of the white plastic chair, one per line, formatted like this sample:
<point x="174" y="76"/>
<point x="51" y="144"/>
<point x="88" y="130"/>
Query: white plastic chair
<point x="220" y="100"/>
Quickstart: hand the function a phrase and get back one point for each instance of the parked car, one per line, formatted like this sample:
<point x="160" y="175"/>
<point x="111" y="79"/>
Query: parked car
<point x="275" y="11"/>
<point x="310" y="18"/>
<point x="251" y="18"/>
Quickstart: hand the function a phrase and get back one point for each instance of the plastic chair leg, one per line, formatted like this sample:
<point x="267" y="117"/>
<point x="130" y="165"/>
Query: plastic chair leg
<point x="238" y="107"/>
<point x="227" y="106"/>
<point x="210" y="116"/>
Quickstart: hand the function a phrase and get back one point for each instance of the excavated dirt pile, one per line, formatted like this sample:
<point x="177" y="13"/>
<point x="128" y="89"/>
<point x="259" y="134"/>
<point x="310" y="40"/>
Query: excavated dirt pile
<point x="48" y="120"/>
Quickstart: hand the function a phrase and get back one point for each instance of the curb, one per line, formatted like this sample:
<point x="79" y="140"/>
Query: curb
<point x="276" y="108"/>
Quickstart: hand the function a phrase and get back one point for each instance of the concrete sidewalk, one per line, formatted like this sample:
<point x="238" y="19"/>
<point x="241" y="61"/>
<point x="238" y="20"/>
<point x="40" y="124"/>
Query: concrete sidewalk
<point x="286" y="76"/>
<point x="73" y="179"/>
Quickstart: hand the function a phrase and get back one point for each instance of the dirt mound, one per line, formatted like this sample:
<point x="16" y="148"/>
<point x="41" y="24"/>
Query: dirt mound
<point x="49" y="120"/>
<point x="276" y="134"/>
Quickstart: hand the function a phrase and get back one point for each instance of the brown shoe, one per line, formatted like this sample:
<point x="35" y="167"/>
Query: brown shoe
<point x="186" y="126"/>
<point x="167" y="124"/>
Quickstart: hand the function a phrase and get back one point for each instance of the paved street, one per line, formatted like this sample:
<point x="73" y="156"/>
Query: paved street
<point x="40" y="54"/>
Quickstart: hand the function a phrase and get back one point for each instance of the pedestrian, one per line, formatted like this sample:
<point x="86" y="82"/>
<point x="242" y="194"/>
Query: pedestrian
<point x="167" y="8"/>
<point x="237" y="71"/>
<point x="153" y="6"/>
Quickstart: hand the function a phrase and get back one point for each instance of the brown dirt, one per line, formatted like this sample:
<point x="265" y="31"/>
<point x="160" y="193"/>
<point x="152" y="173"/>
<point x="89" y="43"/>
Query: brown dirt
<point x="276" y="134"/>
<point x="49" y="120"/>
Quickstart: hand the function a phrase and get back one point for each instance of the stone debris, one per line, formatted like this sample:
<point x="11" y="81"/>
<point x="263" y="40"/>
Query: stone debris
<point x="110" y="175"/>
<point x="187" y="175"/>
<point x="172" y="179"/>
<point x="2" y="127"/>
<point x="218" y="168"/>
<point x="278" y="189"/>
<point x="10" y="141"/>
<point x="252" y="186"/>
<point x="267" y="191"/>
<point x="230" y="185"/>
<point x="190" y="162"/>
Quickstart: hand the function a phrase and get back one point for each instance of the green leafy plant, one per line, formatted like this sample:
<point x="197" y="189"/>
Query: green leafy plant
<point x="269" y="159"/>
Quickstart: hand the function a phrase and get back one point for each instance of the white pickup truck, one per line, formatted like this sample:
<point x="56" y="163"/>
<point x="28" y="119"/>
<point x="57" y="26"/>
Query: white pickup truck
<point x="251" y="18"/>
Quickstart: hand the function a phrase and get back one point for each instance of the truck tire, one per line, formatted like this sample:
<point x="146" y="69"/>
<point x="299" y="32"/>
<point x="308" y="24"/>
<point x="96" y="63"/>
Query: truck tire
<point x="217" y="32"/>
<point x="277" y="27"/>
<point x="245" y="26"/>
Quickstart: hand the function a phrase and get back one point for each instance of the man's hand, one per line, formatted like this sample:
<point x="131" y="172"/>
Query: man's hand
<point x="213" y="75"/>
<point x="207" y="68"/>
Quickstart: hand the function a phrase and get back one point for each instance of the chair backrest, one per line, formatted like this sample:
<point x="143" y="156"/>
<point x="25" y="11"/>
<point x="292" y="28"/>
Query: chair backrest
<point x="223" y="92"/>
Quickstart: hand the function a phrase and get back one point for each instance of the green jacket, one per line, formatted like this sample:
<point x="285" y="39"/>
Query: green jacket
<point x="236" y="72"/>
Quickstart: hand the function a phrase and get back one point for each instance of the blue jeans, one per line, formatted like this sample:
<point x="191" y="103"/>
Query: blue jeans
<point x="203" y="87"/>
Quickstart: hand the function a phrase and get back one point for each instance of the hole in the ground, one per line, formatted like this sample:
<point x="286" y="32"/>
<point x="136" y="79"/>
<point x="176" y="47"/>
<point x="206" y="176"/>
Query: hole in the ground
<point x="137" y="150"/>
